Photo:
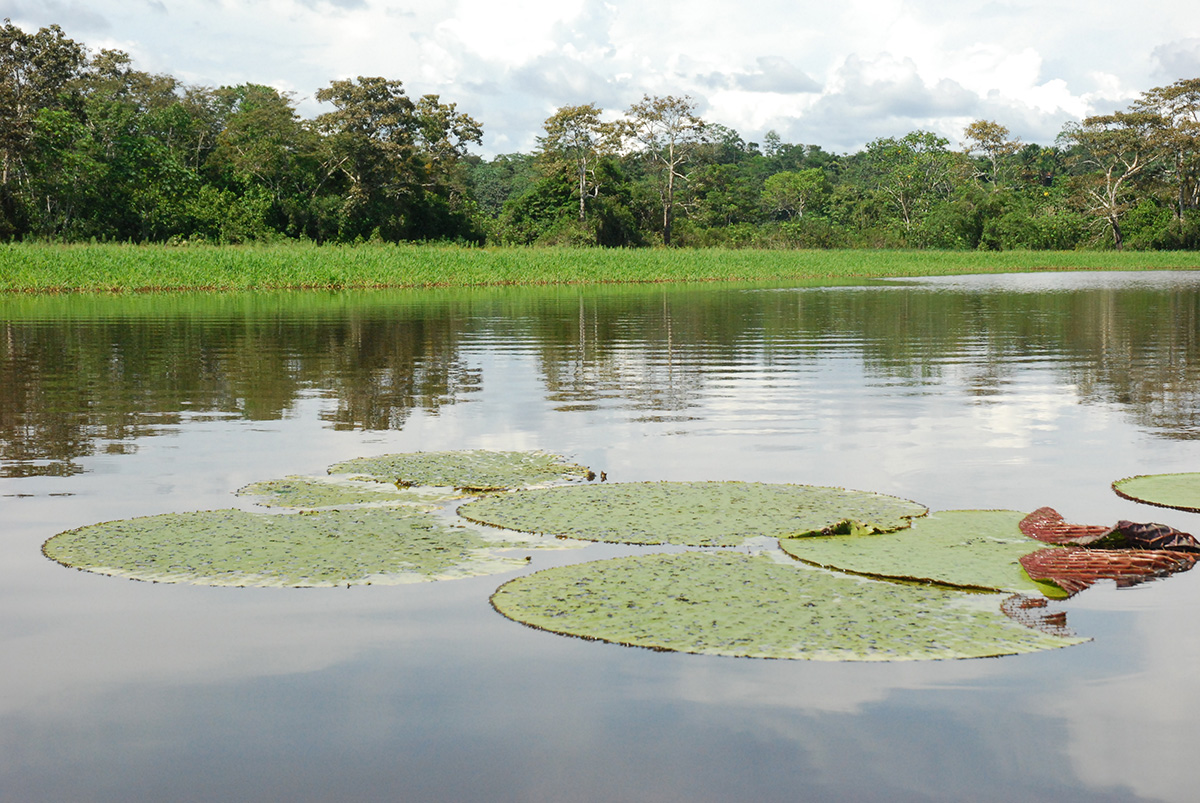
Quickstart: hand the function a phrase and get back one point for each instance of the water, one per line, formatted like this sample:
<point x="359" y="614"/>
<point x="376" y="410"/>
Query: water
<point x="978" y="392"/>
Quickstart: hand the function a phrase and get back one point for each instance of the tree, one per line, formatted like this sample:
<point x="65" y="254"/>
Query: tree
<point x="575" y="141"/>
<point x="791" y="193"/>
<point x="398" y="160"/>
<point x="1112" y="151"/>
<point x="991" y="140"/>
<point x="910" y="173"/>
<point x="667" y="131"/>
<point x="1178" y="106"/>
<point x="37" y="72"/>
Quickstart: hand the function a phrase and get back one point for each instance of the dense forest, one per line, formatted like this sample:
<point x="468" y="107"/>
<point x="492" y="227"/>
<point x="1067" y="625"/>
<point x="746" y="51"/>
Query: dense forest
<point x="93" y="149"/>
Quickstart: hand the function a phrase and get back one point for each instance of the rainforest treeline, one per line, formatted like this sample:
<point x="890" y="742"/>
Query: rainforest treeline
<point x="92" y="149"/>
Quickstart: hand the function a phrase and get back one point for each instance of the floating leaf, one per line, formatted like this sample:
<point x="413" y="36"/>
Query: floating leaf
<point x="478" y="470"/>
<point x="1180" y="491"/>
<point x="1076" y="568"/>
<point x="727" y="603"/>
<point x="318" y="492"/>
<point x="968" y="548"/>
<point x="237" y="548"/>
<point x="689" y="513"/>
<point x="1047" y="525"/>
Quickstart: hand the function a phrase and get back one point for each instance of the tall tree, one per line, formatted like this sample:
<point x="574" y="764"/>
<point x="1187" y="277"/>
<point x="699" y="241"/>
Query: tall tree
<point x="792" y="192"/>
<point x="910" y="173"/>
<point x="991" y="140"/>
<point x="668" y="132"/>
<point x="399" y="160"/>
<point x="1112" y="151"/>
<point x="1179" y="137"/>
<point x="574" y="141"/>
<point x="37" y="72"/>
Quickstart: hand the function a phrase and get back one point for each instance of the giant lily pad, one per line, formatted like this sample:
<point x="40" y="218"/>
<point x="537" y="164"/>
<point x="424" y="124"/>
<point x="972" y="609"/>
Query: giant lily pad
<point x="477" y="470"/>
<point x="969" y="548"/>
<point x="237" y="548"/>
<point x="727" y="603"/>
<point x="1180" y="491"/>
<point x="317" y="492"/>
<point x="689" y="513"/>
<point x="1047" y="524"/>
<point x="1077" y="568"/>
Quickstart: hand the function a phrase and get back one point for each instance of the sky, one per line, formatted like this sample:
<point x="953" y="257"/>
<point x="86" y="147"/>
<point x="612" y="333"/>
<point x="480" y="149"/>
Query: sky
<point x="835" y="74"/>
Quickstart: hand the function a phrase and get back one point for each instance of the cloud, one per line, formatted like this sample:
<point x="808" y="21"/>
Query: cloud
<point x="1178" y="60"/>
<point x="345" y="5"/>
<point x="49" y="12"/>
<point x="774" y="74"/>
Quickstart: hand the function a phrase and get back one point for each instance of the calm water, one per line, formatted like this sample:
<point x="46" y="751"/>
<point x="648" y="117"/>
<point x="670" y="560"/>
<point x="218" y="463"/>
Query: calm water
<point x="999" y="392"/>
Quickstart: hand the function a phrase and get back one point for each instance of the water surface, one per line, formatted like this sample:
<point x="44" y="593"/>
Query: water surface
<point x="977" y="392"/>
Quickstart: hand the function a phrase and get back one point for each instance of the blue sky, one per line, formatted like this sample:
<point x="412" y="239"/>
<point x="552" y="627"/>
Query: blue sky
<point x="834" y="74"/>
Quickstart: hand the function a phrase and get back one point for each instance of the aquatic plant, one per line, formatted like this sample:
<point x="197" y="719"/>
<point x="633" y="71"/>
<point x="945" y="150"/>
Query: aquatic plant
<point x="1180" y="491"/>
<point x="323" y="492"/>
<point x="1075" y="568"/>
<point x="728" y="603"/>
<point x="473" y="470"/>
<point x="238" y="548"/>
<point x="689" y="513"/>
<point x="37" y="267"/>
<point x="978" y="549"/>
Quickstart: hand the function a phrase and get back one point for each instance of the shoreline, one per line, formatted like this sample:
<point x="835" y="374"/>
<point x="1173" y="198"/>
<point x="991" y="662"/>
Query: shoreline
<point x="120" y="268"/>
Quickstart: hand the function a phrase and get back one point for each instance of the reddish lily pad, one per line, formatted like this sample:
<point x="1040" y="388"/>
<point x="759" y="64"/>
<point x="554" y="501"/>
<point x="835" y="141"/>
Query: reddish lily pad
<point x="1075" y="568"/>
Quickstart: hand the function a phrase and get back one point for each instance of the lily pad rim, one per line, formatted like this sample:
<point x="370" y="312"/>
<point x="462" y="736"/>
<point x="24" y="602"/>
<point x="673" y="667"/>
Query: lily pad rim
<point x="1117" y="490"/>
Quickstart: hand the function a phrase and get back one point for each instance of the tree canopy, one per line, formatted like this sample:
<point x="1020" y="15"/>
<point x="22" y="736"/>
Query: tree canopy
<point x="93" y="148"/>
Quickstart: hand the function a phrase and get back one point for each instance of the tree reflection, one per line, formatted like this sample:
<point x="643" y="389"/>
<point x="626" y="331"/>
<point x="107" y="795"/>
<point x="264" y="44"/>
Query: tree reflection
<point x="84" y="374"/>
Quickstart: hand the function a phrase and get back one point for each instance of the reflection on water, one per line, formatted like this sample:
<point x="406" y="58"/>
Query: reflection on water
<point x="982" y="392"/>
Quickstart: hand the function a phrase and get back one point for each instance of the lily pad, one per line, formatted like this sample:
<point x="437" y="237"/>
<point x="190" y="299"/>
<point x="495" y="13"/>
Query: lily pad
<point x="689" y="513"/>
<point x="1077" y="568"/>
<point x="317" y="492"/>
<point x="1047" y="524"/>
<point x="477" y="470"/>
<point x="978" y="549"/>
<point x="728" y="603"/>
<point x="237" y="548"/>
<point x="1179" y="491"/>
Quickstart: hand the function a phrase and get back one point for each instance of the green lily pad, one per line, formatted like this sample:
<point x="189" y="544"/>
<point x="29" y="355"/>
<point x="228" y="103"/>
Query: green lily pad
<point x="1179" y="491"/>
<point x="689" y="513"/>
<point x="316" y="492"/>
<point x="477" y="470"/>
<point x="237" y="548"/>
<point x="728" y="603"/>
<point x="978" y="549"/>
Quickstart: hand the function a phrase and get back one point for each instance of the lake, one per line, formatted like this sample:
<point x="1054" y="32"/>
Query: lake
<point x="997" y="392"/>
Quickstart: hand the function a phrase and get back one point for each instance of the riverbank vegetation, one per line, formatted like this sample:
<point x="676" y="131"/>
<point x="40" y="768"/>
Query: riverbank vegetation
<point x="26" y="267"/>
<point x="92" y="149"/>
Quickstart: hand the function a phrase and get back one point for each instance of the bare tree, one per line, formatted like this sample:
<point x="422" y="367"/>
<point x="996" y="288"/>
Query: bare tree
<point x="668" y="131"/>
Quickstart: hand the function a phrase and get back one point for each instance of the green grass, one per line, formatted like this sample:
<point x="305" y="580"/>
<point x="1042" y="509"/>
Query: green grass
<point x="60" y="268"/>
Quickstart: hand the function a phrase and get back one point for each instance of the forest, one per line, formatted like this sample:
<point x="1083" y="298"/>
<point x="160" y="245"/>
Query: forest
<point x="94" y="150"/>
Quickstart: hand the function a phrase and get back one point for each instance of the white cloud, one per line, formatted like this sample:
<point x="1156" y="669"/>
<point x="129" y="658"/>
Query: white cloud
<point x="831" y="74"/>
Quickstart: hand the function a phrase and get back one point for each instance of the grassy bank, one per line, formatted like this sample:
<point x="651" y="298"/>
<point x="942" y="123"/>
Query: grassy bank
<point x="49" y="268"/>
